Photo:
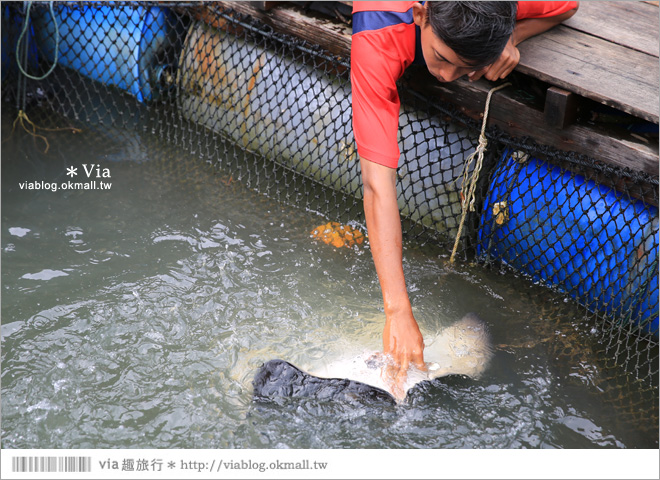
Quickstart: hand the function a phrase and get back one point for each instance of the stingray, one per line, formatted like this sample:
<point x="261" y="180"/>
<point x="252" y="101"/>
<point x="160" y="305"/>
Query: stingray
<point x="463" y="348"/>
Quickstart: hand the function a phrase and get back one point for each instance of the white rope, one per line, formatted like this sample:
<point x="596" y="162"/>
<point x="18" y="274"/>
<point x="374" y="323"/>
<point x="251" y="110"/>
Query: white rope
<point x="470" y="181"/>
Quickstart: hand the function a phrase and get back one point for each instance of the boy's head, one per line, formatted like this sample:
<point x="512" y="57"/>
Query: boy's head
<point x="460" y="37"/>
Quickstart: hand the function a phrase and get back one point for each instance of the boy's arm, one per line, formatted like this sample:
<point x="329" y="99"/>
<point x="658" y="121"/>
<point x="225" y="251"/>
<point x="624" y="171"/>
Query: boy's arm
<point x="374" y="71"/>
<point x="402" y="338"/>
<point x="510" y="57"/>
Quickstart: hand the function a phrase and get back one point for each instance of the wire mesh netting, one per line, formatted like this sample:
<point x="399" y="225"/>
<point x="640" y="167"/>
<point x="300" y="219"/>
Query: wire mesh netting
<point x="276" y="112"/>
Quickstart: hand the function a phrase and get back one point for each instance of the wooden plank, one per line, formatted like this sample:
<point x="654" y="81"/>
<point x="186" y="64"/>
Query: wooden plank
<point x="264" y="5"/>
<point x="634" y="25"/>
<point x="337" y="11"/>
<point x="333" y="37"/>
<point x="560" y="107"/>
<point x="519" y="120"/>
<point x="593" y="68"/>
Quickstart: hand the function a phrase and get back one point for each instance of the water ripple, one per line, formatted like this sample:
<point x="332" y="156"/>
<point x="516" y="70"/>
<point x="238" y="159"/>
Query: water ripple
<point x="139" y="323"/>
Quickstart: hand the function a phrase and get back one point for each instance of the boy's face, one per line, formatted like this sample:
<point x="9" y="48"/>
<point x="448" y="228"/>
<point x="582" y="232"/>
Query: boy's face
<point x="441" y="60"/>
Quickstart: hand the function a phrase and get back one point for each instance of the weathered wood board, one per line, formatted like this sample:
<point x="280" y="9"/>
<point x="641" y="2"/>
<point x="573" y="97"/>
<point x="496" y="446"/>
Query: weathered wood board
<point x="334" y="37"/>
<point x="630" y="24"/>
<point x="519" y="120"/>
<point x="620" y="77"/>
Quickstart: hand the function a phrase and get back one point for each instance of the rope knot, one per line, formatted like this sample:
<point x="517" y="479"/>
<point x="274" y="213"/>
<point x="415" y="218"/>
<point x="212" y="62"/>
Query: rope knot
<point x="483" y="142"/>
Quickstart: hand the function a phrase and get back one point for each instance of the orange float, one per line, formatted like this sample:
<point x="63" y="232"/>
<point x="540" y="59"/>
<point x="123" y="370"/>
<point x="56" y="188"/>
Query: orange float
<point x="338" y="235"/>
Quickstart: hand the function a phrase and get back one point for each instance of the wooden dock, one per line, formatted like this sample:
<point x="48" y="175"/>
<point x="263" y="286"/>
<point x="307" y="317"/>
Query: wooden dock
<point x="606" y="54"/>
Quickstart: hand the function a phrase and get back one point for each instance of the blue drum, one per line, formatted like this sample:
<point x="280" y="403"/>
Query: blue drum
<point x="589" y="240"/>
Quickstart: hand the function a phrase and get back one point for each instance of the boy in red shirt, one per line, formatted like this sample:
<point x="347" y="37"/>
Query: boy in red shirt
<point x="453" y="39"/>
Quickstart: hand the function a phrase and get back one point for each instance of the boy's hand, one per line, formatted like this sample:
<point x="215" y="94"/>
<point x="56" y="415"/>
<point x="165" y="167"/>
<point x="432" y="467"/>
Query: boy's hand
<point x="508" y="60"/>
<point x="404" y="343"/>
<point x="511" y="56"/>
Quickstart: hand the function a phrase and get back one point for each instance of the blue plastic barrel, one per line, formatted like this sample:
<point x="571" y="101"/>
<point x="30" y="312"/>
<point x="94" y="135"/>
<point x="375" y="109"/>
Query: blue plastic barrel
<point x="114" y="45"/>
<point x="589" y="240"/>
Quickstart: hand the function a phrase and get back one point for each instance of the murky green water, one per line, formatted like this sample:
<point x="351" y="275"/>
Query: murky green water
<point x="135" y="316"/>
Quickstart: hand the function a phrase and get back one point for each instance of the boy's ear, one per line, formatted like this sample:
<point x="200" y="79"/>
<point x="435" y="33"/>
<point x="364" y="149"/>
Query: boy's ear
<point x="419" y="14"/>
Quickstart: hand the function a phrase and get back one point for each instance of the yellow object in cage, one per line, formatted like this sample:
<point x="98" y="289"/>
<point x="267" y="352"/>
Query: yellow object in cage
<point x="338" y="235"/>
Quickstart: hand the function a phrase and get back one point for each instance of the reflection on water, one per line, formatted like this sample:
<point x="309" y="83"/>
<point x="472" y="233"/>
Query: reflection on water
<point x="135" y="316"/>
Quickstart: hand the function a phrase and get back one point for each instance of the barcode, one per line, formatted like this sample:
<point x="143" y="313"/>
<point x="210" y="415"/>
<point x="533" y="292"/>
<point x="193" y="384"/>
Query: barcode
<point x="51" y="464"/>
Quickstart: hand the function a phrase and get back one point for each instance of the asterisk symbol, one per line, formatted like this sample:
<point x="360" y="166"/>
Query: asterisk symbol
<point x="171" y="465"/>
<point x="71" y="171"/>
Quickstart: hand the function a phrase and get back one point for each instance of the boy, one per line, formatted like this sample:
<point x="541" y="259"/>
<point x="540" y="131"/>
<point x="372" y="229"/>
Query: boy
<point x="453" y="39"/>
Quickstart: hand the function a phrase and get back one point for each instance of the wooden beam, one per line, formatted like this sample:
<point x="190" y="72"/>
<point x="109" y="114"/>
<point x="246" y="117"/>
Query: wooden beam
<point x="520" y="120"/>
<point x="332" y="36"/>
<point x="560" y="107"/>
<point x="263" y="6"/>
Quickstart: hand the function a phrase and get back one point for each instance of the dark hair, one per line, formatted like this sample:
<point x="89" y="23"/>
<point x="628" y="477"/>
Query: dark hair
<point x="476" y="31"/>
